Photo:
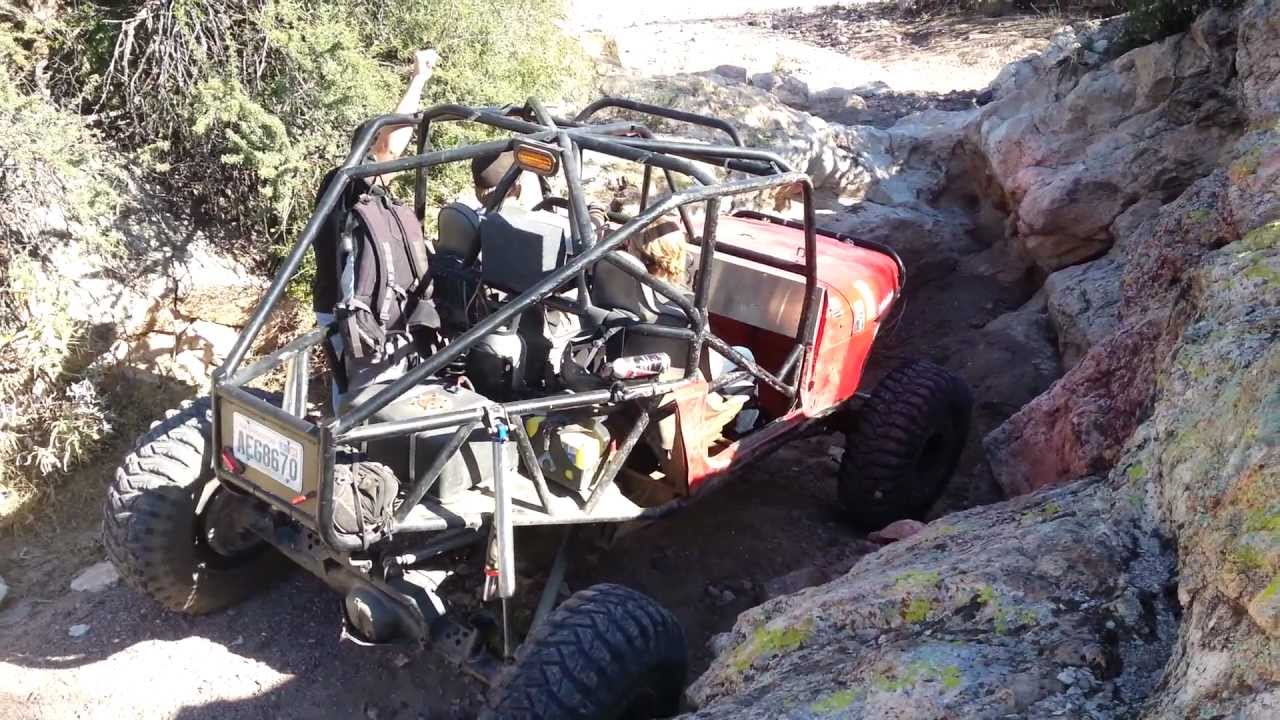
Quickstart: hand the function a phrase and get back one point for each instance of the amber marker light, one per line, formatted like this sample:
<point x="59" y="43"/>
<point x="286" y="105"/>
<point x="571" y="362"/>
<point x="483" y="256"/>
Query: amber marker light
<point x="538" y="159"/>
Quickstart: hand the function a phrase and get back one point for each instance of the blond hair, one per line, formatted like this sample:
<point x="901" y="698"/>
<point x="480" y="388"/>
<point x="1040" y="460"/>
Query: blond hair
<point x="661" y="249"/>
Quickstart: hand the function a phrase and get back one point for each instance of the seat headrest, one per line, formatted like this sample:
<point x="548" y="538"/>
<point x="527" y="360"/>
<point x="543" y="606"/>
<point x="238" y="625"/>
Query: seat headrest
<point x="615" y="289"/>
<point x="459" y="228"/>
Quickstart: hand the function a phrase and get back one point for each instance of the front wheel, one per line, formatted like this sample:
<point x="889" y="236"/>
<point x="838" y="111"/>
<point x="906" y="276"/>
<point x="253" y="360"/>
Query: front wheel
<point x="173" y="532"/>
<point x="607" y="652"/>
<point x="904" y="445"/>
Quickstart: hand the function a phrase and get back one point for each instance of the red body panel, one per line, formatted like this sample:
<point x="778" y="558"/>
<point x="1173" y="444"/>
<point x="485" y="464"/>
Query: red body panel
<point x="860" y="286"/>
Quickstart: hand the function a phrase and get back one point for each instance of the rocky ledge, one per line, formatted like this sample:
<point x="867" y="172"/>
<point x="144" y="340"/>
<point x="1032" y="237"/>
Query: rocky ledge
<point x="1134" y="572"/>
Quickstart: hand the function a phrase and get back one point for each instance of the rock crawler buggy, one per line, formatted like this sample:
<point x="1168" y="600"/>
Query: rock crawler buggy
<point x="517" y="420"/>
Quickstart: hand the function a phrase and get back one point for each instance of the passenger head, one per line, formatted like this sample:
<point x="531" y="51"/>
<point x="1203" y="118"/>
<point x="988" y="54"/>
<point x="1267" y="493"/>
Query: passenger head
<point x="487" y="171"/>
<point x="661" y="247"/>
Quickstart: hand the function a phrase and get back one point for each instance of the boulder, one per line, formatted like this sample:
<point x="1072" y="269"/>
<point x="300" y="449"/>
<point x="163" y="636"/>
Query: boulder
<point x="1255" y="178"/>
<point x="896" y="530"/>
<point x="1019" y="360"/>
<point x="1161" y="437"/>
<point x="924" y="237"/>
<point x="834" y="100"/>
<point x="736" y="73"/>
<point x="795" y="581"/>
<point x="1258" y="60"/>
<point x="211" y="340"/>
<point x="788" y="88"/>
<point x="1008" y="609"/>
<point x="212" y="287"/>
<point x="1074" y="152"/>
<point x="1207" y="463"/>
<point x="808" y="143"/>
<point x="95" y="578"/>
<point x="1084" y="304"/>
<point x="1079" y="426"/>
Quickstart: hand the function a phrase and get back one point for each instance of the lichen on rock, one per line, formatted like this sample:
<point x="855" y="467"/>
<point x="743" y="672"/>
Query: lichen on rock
<point x="1137" y="570"/>
<point x="946" y="617"/>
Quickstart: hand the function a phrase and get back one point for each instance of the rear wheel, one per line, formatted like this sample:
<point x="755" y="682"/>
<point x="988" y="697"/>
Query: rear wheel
<point x="904" y="445"/>
<point x="607" y="652"/>
<point x="173" y="531"/>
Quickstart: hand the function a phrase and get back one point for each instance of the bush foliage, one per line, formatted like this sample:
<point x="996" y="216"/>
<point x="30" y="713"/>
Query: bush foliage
<point x="245" y="103"/>
<point x="1152" y="20"/>
<point x="236" y="107"/>
<point x="57" y="186"/>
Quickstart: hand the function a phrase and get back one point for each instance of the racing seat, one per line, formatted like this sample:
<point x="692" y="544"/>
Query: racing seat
<point x="459" y="229"/>
<point x="457" y="249"/>
<point x="616" y="289"/>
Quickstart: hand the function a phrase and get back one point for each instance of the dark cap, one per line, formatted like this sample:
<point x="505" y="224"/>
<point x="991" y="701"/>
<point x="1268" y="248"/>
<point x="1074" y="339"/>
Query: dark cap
<point x="487" y="171"/>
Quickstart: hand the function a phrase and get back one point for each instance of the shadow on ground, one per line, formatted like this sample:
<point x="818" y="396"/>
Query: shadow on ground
<point x="279" y="654"/>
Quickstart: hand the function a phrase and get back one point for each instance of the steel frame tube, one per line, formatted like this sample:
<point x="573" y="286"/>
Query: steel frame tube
<point x="524" y="446"/>
<point x="662" y="331"/>
<point x="616" y="459"/>
<point x="423" y="485"/>
<point x="713" y="152"/>
<point x="296" y="380"/>
<point x="277" y="358"/>
<point x="448" y="540"/>
<point x="522" y="407"/>
<point x="645" y="150"/>
<point x="659" y="111"/>
<point x="703" y="284"/>
<point x="750" y="366"/>
<point x="555" y="578"/>
<point x="354" y="416"/>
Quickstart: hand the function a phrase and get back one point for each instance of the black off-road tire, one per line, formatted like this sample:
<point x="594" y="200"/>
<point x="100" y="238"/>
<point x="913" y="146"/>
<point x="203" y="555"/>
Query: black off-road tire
<point x="904" y="446"/>
<point x="152" y="533"/>
<point x="607" y="652"/>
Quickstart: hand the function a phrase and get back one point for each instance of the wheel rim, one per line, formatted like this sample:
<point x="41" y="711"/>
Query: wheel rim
<point x="642" y="703"/>
<point x="933" y="455"/>
<point x="224" y="536"/>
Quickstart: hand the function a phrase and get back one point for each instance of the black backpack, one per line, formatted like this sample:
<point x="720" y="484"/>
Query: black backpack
<point x="384" y="283"/>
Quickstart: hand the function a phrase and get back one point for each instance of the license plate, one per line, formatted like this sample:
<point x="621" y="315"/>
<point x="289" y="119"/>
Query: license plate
<point x="267" y="451"/>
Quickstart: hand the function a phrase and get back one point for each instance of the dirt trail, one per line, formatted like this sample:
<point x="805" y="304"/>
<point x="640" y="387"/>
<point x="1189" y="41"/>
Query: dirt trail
<point x="897" y="65"/>
<point x="278" y="656"/>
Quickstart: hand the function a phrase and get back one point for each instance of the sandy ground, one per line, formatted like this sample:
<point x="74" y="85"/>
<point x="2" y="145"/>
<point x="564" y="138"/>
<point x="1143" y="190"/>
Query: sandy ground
<point x="852" y="46"/>
<point x="279" y="656"/>
<point x="606" y="14"/>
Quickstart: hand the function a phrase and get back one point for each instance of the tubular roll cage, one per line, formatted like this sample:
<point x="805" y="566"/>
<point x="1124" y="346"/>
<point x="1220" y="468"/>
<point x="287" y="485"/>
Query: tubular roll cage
<point x="625" y="140"/>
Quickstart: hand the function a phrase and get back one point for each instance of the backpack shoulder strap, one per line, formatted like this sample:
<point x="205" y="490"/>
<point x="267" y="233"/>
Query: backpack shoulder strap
<point x="379" y="232"/>
<point x="411" y="234"/>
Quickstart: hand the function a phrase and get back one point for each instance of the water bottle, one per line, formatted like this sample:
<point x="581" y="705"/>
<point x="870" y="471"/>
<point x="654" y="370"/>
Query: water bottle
<point x="639" y="366"/>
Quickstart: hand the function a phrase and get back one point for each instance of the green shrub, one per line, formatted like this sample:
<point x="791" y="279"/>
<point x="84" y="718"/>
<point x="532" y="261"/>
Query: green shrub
<point x="57" y="187"/>
<point x="1152" y="20"/>
<point x="244" y="104"/>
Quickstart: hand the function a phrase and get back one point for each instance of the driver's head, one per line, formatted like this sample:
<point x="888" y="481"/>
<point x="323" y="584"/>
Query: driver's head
<point x="661" y="247"/>
<point x="488" y="170"/>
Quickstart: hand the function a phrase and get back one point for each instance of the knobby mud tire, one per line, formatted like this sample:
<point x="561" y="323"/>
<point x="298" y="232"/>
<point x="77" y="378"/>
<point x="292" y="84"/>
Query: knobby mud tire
<point x="151" y="530"/>
<point x="607" y="652"/>
<point x="904" y="446"/>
